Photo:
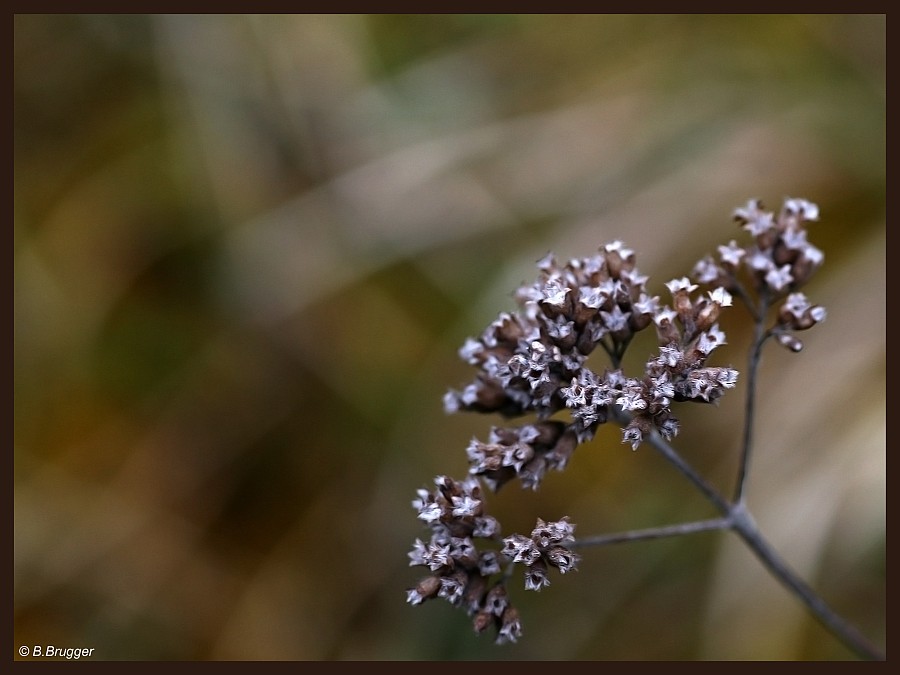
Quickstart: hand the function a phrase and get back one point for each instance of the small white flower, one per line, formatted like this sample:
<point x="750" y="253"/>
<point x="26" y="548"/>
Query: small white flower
<point x="575" y="395"/>
<point x="618" y="247"/>
<point x="451" y="589"/>
<point x="488" y="563"/>
<point x="465" y="506"/>
<point x="486" y="527"/>
<point x="611" y="288"/>
<point x="796" y="304"/>
<point x="759" y="261"/>
<point x="554" y="293"/>
<point x="632" y="435"/>
<point x="756" y="221"/>
<point x="560" y="530"/>
<point x="646" y="305"/>
<point x="808" y="210"/>
<point x="470" y="350"/>
<point x="732" y="253"/>
<point x="496" y="601"/>
<point x="721" y="297"/>
<point x="779" y="277"/>
<point x="430" y="513"/>
<point x="631" y="400"/>
<point x="669" y="356"/>
<point x="510" y="631"/>
<point x="591" y="297"/>
<point x="669" y="428"/>
<point x="814" y="255"/>
<point x="536" y="579"/>
<point x="664" y="315"/>
<point x="727" y="377"/>
<point x="663" y="389"/>
<point x="563" y="559"/>
<point x="794" y="238"/>
<point x="437" y="556"/>
<point x="520" y="549"/>
<point x="417" y="555"/>
<point x="634" y="278"/>
<point x="462" y="548"/>
<point x="547" y="263"/>
<point x="451" y="402"/>
<point x="710" y="339"/>
<point x="413" y="597"/>
<point x="682" y="284"/>
<point x="616" y="319"/>
<point x="469" y="395"/>
<point x="706" y="271"/>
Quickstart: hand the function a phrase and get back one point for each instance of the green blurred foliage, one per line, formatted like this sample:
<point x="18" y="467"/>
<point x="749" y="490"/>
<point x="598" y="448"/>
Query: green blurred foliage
<point x="247" y="248"/>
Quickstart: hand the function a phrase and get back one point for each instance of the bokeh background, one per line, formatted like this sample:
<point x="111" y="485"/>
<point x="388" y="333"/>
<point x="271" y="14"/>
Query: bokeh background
<point x="248" y="247"/>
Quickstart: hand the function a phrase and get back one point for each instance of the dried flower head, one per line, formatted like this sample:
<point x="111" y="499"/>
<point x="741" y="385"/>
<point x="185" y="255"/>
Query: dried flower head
<point x="545" y="548"/>
<point x="534" y="361"/>
<point x="780" y="259"/>
<point x="778" y="263"/>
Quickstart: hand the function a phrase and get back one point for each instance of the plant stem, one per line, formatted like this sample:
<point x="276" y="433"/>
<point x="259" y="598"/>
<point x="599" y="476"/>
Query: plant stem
<point x="738" y="518"/>
<point x="654" y="532"/>
<point x="759" y="338"/>
<point x="676" y="460"/>
<point x="746" y="528"/>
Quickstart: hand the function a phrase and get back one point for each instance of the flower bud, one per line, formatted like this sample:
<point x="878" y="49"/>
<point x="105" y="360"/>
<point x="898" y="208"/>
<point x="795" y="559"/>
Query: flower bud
<point x="790" y="342"/>
<point x="481" y="621"/>
<point x="428" y="587"/>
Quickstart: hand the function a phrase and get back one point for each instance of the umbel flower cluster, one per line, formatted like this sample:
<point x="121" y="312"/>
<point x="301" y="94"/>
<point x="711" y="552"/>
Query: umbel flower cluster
<point x="534" y="362"/>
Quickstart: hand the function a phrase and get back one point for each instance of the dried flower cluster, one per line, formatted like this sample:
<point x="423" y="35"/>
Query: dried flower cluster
<point x="779" y="262"/>
<point x="534" y="362"/>
<point x="461" y="574"/>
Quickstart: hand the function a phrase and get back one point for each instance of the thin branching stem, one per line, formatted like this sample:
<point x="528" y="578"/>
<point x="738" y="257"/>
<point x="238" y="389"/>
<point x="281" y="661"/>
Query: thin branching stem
<point x="743" y="524"/>
<point x="759" y="338"/>
<point x="746" y="528"/>
<point x="654" y="532"/>
<point x="737" y="289"/>
<point x="679" y="463"/>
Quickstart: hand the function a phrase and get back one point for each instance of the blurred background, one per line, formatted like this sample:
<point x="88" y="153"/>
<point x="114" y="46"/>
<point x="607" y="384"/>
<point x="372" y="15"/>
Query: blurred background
<point x="248" y="247"/>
